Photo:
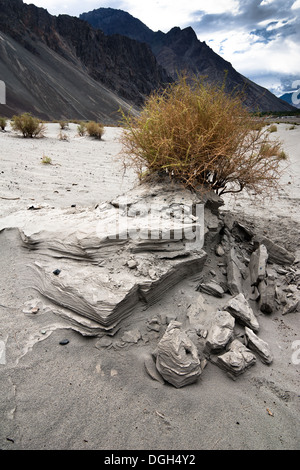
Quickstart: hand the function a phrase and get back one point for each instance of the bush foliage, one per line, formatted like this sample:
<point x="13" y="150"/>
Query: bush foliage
<point x="3" y="122"/>
<point x="28" y="125"/>
<point x="95" y="130"/>
<point x="203" y="137"/>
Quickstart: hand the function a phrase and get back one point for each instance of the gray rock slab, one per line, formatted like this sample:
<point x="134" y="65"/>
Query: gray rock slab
<point x="239" y="307"/>
<point x="237" y="359"/>
<point x="258" y="264"/>
<point x="234" y="274"/>
<point x="220" y="332"/>
<point x="211" y="288"/>
<point x="259" y="346"/>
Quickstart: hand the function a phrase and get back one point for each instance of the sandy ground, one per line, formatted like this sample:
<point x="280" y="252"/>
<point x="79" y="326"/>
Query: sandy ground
<point x="82" y="396"/>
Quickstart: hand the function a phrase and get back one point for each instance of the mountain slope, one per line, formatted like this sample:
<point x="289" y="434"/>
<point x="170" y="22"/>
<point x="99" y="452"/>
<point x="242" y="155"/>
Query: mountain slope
<point x="61" y="67"/>
<point x="288" y="97"/>
<point x="181" y="50"/>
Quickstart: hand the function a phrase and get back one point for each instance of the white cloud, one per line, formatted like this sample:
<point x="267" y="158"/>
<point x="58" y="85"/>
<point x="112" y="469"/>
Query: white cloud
<point x="296" y="5"/>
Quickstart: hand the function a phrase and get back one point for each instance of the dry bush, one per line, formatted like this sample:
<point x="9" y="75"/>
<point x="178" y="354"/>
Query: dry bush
<point x="81" y="129"/>
<point x="272" y="128"/>
<point x="94" y="129"/>
<point x="3" y="122"/>
<point x="63" y="124"/>
<point x="28" y="125"/>
<point x="202" y="137"/>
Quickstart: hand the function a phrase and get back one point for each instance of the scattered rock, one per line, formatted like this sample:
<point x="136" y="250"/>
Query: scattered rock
<point x="237" y="359"/>
<point x="104" y="342"/>
<point x="132" y="336"/>
<point x="219" y="250"/>
<point x="292" y="307"/>
<point x="234" y="274"/>
<point x="177" y="357"/>
<point x="258" y="265"/>
<point x="211" y="288"/>
<point x="267" y="294"/>
<point x="63" y="342"/>
<point x="152" y="370"/>
<point x="221" y="331"/>
<point x="277" y="254"/>
<point x="259" y="346"/>
<point x="239" y="307"/>
<point x="132" y="264"/>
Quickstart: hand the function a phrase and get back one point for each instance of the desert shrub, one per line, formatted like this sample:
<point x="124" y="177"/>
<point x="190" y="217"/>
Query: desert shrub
<point x="203" y="137"/>
<point x="63" y="124"/>
<point x="94" y="129"/>
<point x="81" y="129"/>
<point x="3" y="122"/>
<point x="272" y="128"/>
<point x="28" y="125"/>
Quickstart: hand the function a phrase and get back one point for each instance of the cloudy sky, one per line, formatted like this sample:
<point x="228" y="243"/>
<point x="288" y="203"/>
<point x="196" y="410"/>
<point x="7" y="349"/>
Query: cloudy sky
<point x="261" y="38"/>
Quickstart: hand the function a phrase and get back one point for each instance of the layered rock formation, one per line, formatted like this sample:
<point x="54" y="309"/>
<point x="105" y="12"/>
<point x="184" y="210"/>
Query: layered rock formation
<point x="94" y="267"/>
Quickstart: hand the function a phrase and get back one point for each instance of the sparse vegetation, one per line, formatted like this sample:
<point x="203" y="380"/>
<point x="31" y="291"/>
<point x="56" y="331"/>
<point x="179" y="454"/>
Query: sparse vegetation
<point x="46" y="160"/>
<point x="63" y="124"/>
<point x="81" y="129"/>
<point x="197" y="134"/>
<point x="95" y="129"/>
<point x="28" y="125"/>
<point x="63" y="136"/>
<point x="272" y="128"/>
<point x="3" y="122"/>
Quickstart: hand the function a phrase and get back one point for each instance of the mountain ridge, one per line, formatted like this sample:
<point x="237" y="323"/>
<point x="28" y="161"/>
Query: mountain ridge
<point x="60" y="67"/>
<point x="180" y="50"/>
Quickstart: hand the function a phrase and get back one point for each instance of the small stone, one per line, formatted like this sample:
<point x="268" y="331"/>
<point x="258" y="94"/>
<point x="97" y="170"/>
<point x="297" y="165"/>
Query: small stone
<point x="219" y="250"/>
<point x="132" y="336"/>
<point x="63" y="342"/>
<point x="57" y="272"/>
<point x="152" y="274"/>
<point x="211" y="288"/>
<point x="132" y="264"/>
<point x="35" y="310"/>
<point x="103" y="342"/>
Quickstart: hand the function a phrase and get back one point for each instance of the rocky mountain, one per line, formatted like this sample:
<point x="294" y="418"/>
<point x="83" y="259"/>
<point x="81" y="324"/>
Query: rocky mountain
<point x="61" y="67"/>
<point x="181" y="50"/>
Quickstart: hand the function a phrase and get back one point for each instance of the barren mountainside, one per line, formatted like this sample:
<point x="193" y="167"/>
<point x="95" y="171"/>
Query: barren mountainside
<point x="181" y="50"/>
<point x="62" y="67"/>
